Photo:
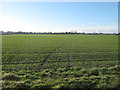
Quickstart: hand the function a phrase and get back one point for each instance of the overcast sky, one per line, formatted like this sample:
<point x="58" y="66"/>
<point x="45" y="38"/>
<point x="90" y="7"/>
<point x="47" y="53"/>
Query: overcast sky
<point x="59" y="16"/>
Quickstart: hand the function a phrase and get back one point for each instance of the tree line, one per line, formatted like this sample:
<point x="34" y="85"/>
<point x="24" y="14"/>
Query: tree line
<point x="20" y="32"/>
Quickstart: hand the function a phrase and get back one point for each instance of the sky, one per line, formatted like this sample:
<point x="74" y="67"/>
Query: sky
<point x="59" y="16"/>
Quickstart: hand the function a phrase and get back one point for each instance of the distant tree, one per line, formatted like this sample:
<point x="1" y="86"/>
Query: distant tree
<point x="1" y="32"/>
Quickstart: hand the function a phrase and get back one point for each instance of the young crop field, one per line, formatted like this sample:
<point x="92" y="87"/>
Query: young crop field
<point x="60" y="61"/>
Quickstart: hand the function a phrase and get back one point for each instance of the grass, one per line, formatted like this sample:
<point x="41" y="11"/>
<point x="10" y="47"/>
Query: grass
<point x="60" y="61"/>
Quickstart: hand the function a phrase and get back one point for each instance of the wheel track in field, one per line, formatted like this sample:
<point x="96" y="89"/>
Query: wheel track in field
<point x="45" y="61"/>
<point x="70" y="56"/>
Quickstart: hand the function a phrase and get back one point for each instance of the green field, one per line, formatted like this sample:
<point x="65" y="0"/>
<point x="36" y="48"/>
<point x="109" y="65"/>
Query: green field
<point x="60" y="61"/>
